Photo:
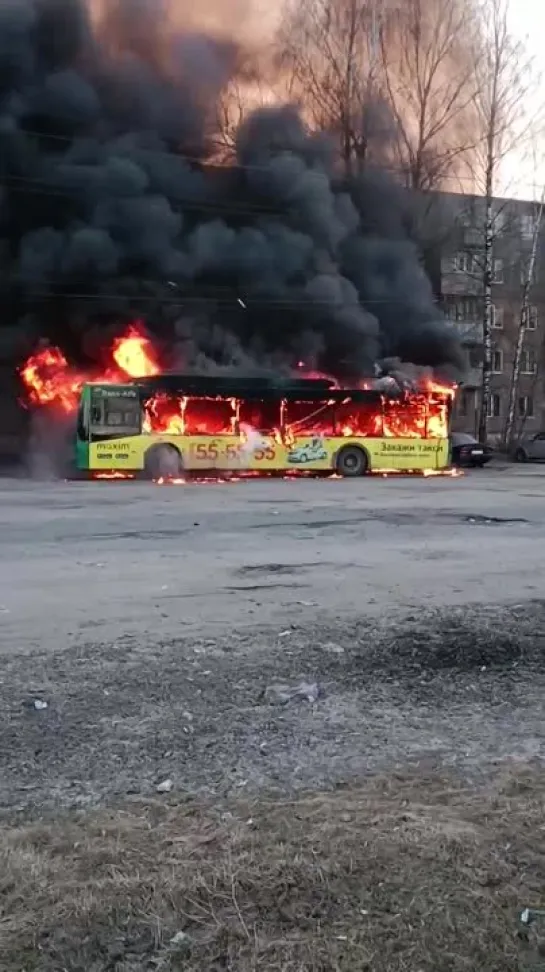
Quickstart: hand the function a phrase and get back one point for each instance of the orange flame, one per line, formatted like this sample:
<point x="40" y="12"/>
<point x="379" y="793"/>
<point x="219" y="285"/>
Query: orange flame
<point x="451" y="472"/>
<point x="307" y="373"/>
<point x="165" y="413"/>
<point x="49" y="380"/>
<point x="113" y="474"/>
<point x="134" y="354"/>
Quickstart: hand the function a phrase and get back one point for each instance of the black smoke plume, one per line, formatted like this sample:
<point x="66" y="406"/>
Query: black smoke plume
<point x="111" y="208"/>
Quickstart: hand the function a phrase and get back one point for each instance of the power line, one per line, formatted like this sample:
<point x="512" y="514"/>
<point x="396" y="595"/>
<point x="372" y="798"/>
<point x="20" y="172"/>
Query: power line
<point x="34" y="186"/>
<point x="233" y="163"/>
<point x="245" y="303"/>
<point x="220" y="207"/>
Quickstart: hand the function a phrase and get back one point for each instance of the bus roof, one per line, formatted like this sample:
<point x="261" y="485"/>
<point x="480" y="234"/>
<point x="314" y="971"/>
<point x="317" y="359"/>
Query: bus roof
<point x="256" y="389"/>
<point x="231" y="385"/>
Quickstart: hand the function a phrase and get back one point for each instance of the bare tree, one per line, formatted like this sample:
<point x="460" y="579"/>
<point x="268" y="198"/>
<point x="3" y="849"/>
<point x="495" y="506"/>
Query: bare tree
<point x="241" y="96"/>
<point x="428" y="64"/>
<point x="394" y="82"/>
<point x="332" y="49"/>
<point x="254" y="82"/>
<point x="504" y="79"/>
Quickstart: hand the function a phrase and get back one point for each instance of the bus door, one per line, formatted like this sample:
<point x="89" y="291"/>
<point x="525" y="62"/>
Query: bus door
<point x="115" y="423"/>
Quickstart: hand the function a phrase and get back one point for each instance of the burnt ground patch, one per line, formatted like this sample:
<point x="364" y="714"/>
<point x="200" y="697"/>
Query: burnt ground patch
<point x="464" y="687"/>
<point x="462" y="641"/>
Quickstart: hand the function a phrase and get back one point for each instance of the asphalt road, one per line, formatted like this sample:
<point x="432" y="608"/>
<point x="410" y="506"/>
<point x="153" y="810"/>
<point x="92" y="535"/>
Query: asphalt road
<point x="111" y="559"/>
<point x="152" y="618"/>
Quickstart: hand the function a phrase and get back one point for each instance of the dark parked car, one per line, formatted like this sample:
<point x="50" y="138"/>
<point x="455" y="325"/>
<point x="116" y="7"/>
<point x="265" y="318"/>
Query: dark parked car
<point x="466" y="450"/>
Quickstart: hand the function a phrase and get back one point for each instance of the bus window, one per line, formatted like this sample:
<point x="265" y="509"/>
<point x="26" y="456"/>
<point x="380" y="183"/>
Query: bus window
<point x="264" y="417"/>
<point x="309" y="418"/>
<point x="358" y="418"/>
<point x="438" y="419"/>
<point x="210" y="416"/>
<point x="404" y="418"/>
<point x="115" y="416"/>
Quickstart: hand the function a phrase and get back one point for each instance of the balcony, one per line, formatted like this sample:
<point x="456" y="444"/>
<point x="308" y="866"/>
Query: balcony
<point x="470" y="333"/>
<point x="472" y="378"/>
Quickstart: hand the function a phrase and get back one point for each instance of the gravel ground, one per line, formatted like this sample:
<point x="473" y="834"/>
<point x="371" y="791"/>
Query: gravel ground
<point x="156" y="623"/>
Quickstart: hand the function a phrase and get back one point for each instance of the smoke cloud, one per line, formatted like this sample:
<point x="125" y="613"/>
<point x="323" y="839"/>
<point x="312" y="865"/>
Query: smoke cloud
<point x="110" y="207"/>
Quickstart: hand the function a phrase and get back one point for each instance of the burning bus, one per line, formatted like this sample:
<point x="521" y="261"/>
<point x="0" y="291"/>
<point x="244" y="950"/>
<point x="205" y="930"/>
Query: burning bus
<point x="171" y="424"/>
<point x="133" y="419"/>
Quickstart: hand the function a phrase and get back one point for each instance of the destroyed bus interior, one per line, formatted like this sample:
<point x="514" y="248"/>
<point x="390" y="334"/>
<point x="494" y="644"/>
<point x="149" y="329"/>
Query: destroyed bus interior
<point x="209" y="405"/>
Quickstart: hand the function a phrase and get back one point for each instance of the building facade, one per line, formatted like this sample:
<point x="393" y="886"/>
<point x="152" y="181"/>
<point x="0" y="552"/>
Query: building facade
<point x="462" y="300"/>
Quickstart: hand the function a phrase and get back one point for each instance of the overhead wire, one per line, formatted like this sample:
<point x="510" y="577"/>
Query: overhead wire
<point x="221" y="300"/>
<point x="209" y="162"/>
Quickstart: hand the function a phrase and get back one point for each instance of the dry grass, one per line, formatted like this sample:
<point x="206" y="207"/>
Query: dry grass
<point x="400" y="874"/>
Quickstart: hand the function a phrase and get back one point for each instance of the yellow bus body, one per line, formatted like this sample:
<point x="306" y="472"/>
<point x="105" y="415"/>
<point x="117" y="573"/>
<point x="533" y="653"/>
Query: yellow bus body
<point x="228" y="453"/>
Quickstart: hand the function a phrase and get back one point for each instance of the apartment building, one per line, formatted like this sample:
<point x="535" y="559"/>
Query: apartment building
<point x="462" y="300"/>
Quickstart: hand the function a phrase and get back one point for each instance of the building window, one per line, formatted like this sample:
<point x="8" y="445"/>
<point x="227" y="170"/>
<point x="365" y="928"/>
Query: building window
<point x="466" y="403"/>
<point x="466" y="217"/>
<point x="470" y="309"/>
<point x="497" y="362"/>
<point x="497" y="272"/>
<point x="459" y="263"/>
<point x="528" y="363"/>
<point x="464" y="262"/>
<point x="463" y="309"/>
<point x="530" y="322"/>
<point x="496" y="316"/>
<point x="526" y="406"/>
<point x="527" y="225"/>
<point x="494" y="406"/>
<point x="452" y="309"/>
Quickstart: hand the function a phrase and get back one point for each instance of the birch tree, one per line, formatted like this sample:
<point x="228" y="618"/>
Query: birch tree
<point x="527" y="284"/>
<point x="504" y="80"/>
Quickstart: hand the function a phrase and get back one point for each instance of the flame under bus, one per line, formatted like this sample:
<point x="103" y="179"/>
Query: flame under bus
<point x="169" y="424"/>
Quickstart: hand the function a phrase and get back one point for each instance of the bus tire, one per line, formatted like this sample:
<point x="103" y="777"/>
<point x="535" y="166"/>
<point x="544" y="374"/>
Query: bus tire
<point x="163" y="461"/>
<point x="352" y="461"/>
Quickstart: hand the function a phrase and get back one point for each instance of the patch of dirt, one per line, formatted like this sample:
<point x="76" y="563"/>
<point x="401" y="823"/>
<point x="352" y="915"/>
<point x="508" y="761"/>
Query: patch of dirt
<point x="404" y="873"/>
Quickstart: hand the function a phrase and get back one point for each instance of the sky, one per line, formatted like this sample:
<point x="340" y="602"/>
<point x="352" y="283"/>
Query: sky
<point x="524" y="177"/>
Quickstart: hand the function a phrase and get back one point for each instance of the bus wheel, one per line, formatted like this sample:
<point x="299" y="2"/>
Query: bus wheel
<point x="351" y="461"/>
<point x="163" y="462"/>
